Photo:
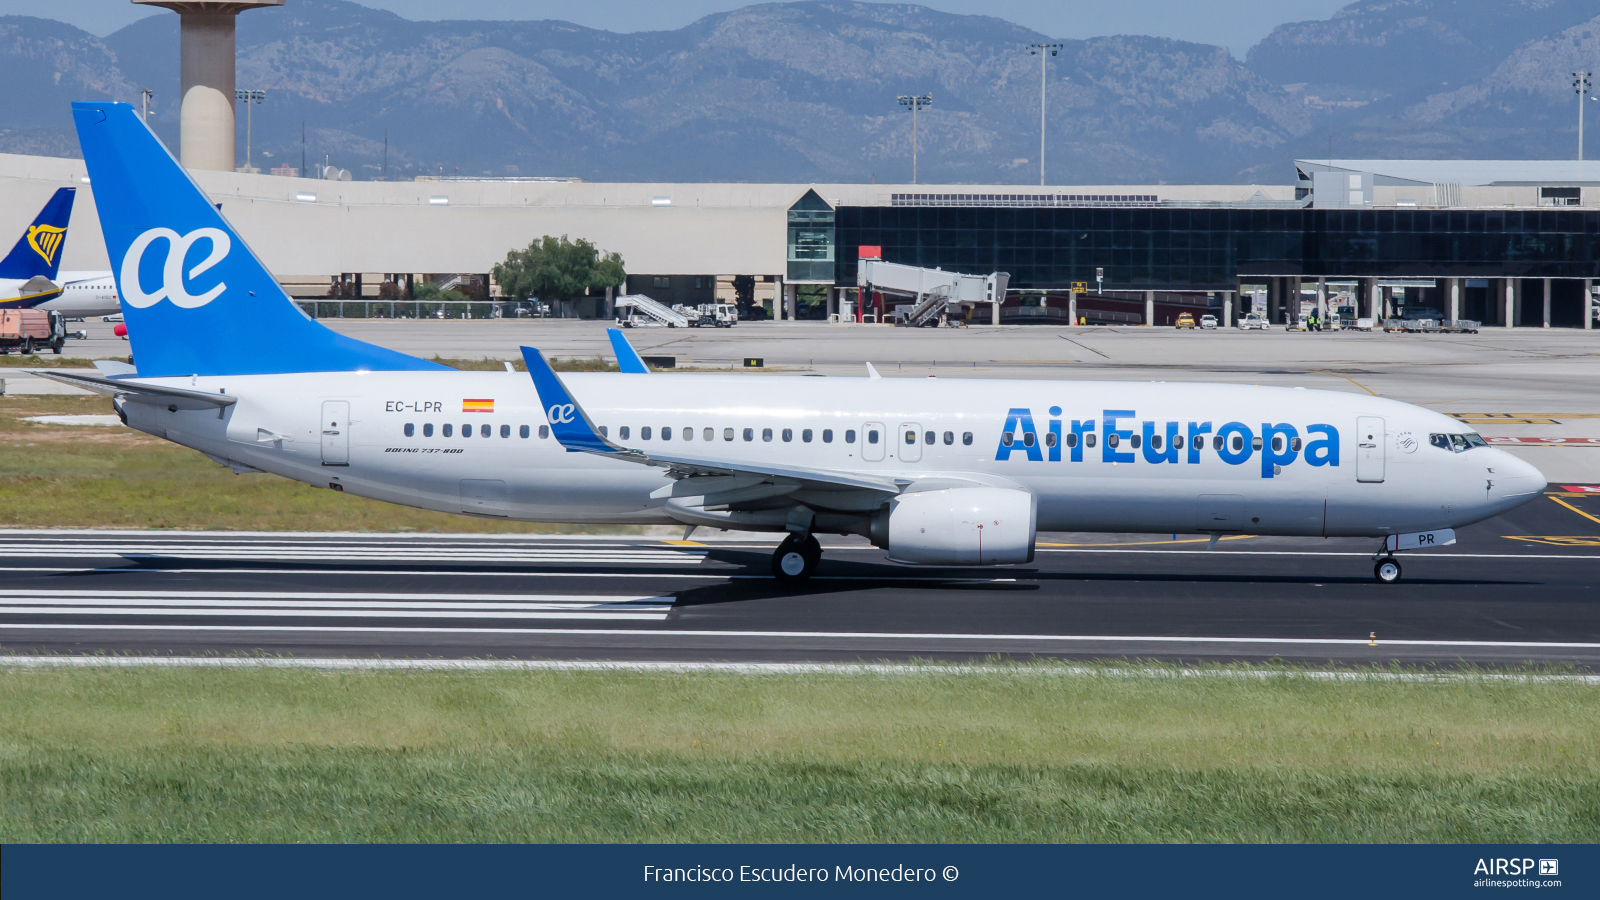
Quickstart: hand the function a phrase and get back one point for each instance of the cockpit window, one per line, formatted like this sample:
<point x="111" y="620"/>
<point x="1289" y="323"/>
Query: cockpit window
<point x="1457" y="443"/>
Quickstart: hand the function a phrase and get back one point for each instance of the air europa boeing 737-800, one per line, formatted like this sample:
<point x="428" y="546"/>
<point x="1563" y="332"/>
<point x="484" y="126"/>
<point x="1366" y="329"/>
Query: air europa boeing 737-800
<point x="935" y="471"/>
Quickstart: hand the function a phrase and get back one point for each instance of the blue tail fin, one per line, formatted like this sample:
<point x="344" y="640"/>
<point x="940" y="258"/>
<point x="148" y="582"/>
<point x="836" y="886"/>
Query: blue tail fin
<point x="196" y="300"/>
<point x="627" y="358"/>
<point x="38" y="251"/>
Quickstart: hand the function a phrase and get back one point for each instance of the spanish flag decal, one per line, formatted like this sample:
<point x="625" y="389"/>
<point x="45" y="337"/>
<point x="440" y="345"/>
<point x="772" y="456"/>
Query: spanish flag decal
<point x="484" y="406"/>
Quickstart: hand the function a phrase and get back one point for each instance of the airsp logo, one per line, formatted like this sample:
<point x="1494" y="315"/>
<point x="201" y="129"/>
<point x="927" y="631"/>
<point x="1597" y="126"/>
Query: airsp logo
<point x="561" y="413"/>
<point x="172" y="274"/>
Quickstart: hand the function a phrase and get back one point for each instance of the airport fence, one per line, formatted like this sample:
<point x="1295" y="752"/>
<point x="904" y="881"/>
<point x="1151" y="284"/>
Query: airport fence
<point x="407" y="309"/>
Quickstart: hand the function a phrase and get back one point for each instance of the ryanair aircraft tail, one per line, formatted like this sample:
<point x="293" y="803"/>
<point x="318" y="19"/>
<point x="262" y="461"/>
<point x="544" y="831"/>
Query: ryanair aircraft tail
<point x="196" y="300"/>
<point x="38" y="252"/>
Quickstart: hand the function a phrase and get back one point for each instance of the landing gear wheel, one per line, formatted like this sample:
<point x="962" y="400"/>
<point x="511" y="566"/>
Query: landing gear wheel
<point x="795" y="559"/>
<point x="1387" y="570"/>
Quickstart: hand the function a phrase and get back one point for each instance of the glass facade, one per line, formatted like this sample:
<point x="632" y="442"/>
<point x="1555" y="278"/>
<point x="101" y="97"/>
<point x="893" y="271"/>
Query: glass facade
<point x="1210" y="249"/>
<point x="811" y="229"/>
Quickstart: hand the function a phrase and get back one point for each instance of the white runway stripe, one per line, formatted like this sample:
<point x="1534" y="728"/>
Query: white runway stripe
<point x="148" y="596"/>
<point x="354" y="605"/>
<point x="573" y="613"/>
<point x="359" y="554"/>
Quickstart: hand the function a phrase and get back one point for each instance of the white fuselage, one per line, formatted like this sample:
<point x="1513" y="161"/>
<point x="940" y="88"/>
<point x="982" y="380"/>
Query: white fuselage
<point x="1399" y="483"/>
<point x="85" y="294"/>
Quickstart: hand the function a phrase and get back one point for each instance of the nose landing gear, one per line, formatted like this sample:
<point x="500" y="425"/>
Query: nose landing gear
<point x="796" y="558"/>
<point x="1387" y="571"/>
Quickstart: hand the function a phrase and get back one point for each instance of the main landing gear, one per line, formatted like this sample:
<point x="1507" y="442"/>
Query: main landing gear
<point x="796" y="558"/>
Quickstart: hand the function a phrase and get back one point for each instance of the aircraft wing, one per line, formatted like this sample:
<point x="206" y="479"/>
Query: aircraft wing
<point x="573" y="428"/>
<point x="135" y="392"/>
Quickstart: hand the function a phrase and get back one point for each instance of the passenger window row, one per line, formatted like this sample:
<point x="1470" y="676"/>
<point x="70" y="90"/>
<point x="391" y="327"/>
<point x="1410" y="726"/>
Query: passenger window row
<point x="932" y="437"/>
<point x="666" y="433"/>
<point x="483" y="430"/>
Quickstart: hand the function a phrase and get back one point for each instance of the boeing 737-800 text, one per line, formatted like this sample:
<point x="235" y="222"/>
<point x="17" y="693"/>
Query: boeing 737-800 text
<point x="935" y="471"/>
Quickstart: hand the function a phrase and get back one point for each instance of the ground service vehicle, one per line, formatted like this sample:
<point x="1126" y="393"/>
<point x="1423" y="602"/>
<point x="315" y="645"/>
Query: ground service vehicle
<point x="1185" y="320"/>
<point x="936" y="471"/>
<point x="29" y="330"/>
<point x="1253" y="322"/>
<point x="1208" y="321"/>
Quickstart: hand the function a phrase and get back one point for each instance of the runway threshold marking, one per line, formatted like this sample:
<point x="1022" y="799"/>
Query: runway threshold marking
<point x="843" y="635"/>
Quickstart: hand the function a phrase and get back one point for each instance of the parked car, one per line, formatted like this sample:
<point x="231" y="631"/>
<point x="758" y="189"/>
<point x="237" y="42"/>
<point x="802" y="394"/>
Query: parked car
<point x="1185" y="320"/>
<point x="1208" y="321"/>
<point x="1253" y="321"/>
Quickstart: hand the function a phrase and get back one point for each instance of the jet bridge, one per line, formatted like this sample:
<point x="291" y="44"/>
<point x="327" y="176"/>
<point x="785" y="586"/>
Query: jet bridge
<point x="937" y="293"/>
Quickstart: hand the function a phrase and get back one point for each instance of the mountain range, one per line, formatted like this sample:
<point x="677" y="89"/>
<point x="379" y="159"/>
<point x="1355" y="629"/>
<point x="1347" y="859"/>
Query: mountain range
<point x="806" y="92"/>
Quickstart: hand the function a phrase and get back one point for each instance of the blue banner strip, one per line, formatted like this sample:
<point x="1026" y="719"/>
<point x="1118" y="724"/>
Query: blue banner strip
<point x="1187" y="871"/>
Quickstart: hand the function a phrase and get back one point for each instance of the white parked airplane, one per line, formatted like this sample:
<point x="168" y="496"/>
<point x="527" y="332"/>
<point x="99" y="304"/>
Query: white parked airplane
<point x="935" y="471"/>
<point x="85" y="294"/>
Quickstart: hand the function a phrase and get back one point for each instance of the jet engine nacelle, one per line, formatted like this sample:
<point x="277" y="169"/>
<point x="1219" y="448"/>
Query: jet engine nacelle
<point x="976" y="526"/>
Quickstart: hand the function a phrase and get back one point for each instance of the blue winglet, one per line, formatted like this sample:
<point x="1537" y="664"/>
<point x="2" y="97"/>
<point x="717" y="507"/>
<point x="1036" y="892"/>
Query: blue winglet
<point x="627" y="358"/>
<point x="568" y="422"/>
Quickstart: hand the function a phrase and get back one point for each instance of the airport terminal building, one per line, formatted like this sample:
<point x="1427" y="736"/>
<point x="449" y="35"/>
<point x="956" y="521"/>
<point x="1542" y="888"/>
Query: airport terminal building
<point x="1514" y="243"/>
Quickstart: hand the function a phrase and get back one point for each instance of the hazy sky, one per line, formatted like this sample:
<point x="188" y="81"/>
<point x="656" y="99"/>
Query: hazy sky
<point x="1235" y="24"/>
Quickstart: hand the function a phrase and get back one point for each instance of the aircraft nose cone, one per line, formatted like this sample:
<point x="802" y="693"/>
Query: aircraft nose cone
<point x="1514" y="479"/>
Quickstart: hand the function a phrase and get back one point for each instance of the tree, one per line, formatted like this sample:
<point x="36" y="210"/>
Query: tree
<point x="558" y="269"/>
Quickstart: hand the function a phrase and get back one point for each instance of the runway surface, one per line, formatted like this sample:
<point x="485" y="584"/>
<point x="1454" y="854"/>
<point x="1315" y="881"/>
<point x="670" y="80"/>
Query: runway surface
<point x="1515" y="589"/>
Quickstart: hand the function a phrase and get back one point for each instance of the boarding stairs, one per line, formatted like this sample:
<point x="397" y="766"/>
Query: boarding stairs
<point x="651" y="309"/>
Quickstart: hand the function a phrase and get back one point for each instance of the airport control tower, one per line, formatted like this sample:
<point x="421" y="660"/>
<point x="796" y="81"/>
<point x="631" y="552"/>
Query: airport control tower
<point x="206" y="118"/>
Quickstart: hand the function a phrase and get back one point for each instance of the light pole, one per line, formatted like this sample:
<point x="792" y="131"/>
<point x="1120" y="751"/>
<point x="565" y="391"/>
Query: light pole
<point x="1040" y="49"/>
<point x="1581" y="84"/>
<point x="915" y="103"/>
<point x="144" y="105"/>
<point x="249" y="97"/>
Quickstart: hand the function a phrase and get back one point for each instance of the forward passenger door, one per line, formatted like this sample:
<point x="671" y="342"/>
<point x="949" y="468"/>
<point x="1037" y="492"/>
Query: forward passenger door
<point x="1370" y="443"/>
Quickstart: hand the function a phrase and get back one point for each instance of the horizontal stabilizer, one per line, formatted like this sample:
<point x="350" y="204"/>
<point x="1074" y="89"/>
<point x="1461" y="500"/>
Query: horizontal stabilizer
<point x="177" y="398"/>
<point x="110" y="368"/>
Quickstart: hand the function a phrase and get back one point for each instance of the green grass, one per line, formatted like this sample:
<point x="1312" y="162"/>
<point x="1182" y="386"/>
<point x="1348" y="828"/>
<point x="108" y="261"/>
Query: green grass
<point x="575" y="364"/>
<point x="54" y="476"/>
<point x="1026" y="754"/>
<point x="48" y="360"/>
